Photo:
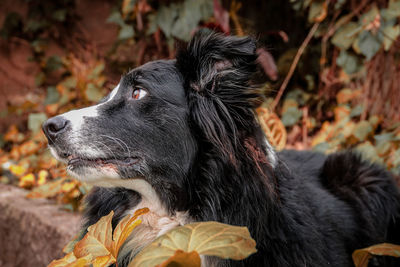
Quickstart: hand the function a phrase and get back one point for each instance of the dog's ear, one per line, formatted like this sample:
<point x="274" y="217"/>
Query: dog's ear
<point x="217" y="70"/>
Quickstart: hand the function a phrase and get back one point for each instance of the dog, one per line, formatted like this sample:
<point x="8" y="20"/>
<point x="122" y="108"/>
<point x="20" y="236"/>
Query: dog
<point x="181" y="137"/>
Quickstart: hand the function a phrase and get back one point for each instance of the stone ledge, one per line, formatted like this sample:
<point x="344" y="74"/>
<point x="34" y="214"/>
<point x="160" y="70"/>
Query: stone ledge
<point x="32" y="231"/>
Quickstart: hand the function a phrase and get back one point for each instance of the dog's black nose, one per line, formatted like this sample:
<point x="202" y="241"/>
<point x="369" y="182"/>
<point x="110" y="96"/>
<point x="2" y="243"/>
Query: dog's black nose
<point x="54" y="126"/>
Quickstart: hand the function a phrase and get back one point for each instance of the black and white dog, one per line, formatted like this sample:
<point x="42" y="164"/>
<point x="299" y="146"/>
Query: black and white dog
<point x="181" y="138"/>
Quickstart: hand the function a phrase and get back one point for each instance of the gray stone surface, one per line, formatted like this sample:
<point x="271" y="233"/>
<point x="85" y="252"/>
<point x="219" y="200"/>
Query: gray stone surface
<point x="32" y="231"/>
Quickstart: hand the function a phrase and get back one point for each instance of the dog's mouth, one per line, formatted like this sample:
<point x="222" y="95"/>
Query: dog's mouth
<point x="76" y="161"/>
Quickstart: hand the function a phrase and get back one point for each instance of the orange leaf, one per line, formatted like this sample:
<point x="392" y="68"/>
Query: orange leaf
<point x="362" y="256"/>
<point x="71" y="261"/>
<point x="206" y="238"/>
<point x="27" y="180"/>
<point x="18" y="170"/>
<point x="273" y="128"/>
<point x="182" y="259"/>
<point x="28" y="148"/>
<point x="101" y="244"/>
<point x="97" y="242"/>
<point x="43" y="175"/>
<point x="49" y="189"/>
<point x="124" y="229"/>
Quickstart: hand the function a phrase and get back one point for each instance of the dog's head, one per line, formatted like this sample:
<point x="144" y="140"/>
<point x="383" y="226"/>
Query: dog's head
<point x="148" y="132"/>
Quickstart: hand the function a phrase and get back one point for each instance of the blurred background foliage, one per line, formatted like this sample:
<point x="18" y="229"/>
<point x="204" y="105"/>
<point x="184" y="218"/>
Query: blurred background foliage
<point x="330" y="70"/>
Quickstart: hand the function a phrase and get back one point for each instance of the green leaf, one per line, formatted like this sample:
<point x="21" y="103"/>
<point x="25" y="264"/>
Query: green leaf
<point x="191" y="13"/>
<point x="356" y="111"/>
<point x="52" y="95"/>
<point x="93" y="93"/>
<point x="370" y="15"/>
<point x="35" y="121"/>
<point x="362" y="130"/>
<point x="53" y="63"/>
<point x="393" y="10"/>
<point x="384" y="137"/>
<point x="60" y="15"/>
<point x="96" y="72"/>
<point x="369" y="44"/>
<point x="126" y="32"/>
<point x="316" y="8"/>
<point x="291" y="116"/>
<point x="166" y="17"/>
<point x="346" y="35"/>
<point x="349" y="62"/>
<point x="115" y="17"/>
<point x="369" y="152"/>
<point x="321" y="147"/>
<point x="390" y="35"/>
<point x="40" y="78"/>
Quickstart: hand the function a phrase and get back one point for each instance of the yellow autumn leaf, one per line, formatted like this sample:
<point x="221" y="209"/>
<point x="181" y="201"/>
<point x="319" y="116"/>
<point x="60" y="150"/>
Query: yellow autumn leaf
<point x="18" y="170"/>
<point x="362" y="256"/>
<point x="29" y="147"/>
<point x="27" y="180"/>
<point x="43" y="176"/>
<point x="101" y="243"/>
<point x="99" y="247"/>
<point x="206" y="238"/>
<point x="70" y="260"/>
<point x="124" y="229"/>
<point x="97" y="242"/>
<point x="273" y="128"/>
<point x="49" y="189"/>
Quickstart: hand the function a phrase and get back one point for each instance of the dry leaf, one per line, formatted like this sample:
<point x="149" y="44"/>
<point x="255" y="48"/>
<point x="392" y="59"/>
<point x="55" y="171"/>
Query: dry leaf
<point x="273" y="128"/>
<point x="71" y="261"/>
<point x="206" y="238"/>
<point x="183" y="259"/>
<point x="27" y="180"/>
<point x="49" y="189"/>
<point x="18" y="170"/>
<point x="362" y="256"/>
<point x="99" y="247"/>
<point x="43" y="176"/>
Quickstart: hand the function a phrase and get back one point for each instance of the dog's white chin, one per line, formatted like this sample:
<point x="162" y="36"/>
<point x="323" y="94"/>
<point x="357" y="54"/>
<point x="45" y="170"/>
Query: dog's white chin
<point x="95" y="176"/>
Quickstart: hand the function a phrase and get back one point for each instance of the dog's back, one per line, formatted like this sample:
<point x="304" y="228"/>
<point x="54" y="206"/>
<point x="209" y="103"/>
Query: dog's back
<point x="360" y="198"/>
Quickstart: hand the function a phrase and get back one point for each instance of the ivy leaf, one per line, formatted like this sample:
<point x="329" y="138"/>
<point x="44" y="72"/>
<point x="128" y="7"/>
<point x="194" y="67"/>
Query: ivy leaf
<point x="291" y="116"/>
<point x="93" y="93"/>
<point x="191" y="13"/>
<point x="206" y="238"/>
<point x="346" y="35"/>
<point x="115" y="17"/>
<point x="126" y="32"/>
<point x="362" y="256"/>
<point x="362" y="130"/>
<point x="369" y="44"/>
<point x="390" y="35"/>
<point x="52" y="95"/>
<point x="35" y="121"/>
<point x="318" y="11"/>
<point x="349" y="62"/>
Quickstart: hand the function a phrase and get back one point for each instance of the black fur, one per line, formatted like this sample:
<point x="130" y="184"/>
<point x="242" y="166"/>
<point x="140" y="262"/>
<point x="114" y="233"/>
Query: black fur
<point x="201" y="148"/>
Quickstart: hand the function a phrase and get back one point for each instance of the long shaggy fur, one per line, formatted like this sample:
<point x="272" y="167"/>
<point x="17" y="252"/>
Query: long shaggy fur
<point x="302" y="208"/>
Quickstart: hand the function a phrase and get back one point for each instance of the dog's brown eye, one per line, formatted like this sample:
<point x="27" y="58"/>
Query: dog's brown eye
<point x="138" y="93"/>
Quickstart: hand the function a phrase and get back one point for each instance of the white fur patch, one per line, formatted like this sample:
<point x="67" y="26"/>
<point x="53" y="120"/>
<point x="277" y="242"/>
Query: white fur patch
<point x="76" y="117"/>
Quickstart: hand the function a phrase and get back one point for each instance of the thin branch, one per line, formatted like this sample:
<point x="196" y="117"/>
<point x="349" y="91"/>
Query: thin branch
<point x="294" y="64"/>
